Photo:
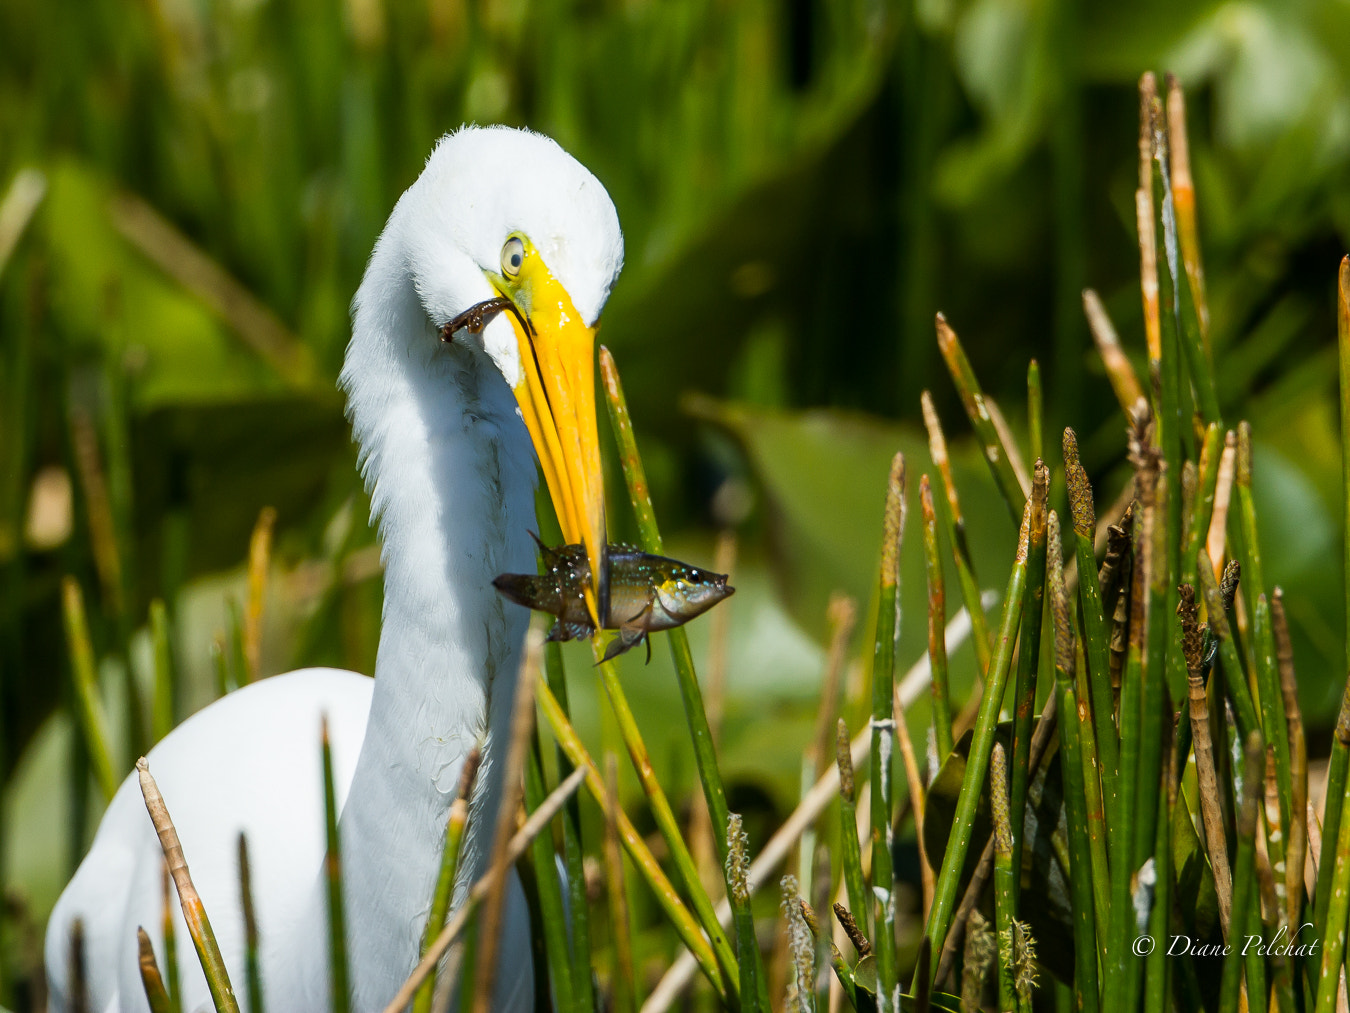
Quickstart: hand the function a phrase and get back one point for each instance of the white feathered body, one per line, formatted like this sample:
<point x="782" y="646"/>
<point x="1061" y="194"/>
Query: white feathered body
<point x="451" y="473"/>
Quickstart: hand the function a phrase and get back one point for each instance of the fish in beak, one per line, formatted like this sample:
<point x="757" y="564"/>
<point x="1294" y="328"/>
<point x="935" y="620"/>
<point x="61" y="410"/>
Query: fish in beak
<point x="556" y="394"/>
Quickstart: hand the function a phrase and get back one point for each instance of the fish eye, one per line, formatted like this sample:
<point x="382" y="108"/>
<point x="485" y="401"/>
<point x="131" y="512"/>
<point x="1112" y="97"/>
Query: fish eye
<point x="513" y="256"/>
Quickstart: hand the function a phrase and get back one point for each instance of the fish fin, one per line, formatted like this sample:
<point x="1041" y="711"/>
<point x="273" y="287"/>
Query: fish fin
<point x="549" y="555"/>
<point x="630" y="635"/>
<point x="624" y="643"/>
<point x="570" y="631"/>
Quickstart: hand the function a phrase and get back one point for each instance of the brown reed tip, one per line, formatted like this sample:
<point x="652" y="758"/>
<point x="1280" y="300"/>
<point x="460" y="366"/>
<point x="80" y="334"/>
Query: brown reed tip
<point x="1188" y="611"/>
<point x="1059" y="598"/>
<point x="469" y="772"/>
<point x="1243" y="475"/>
<point x="1232" y="574"/>
<point x="1080" y="490"/>
<point x="998" y="797"/>
<point x="850" y="927"/>
<point x="895" y="522"/>
<point x="844" y="757"/>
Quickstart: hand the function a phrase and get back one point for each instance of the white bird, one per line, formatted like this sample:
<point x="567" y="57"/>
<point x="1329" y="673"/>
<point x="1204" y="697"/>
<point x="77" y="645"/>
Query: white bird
<point x="449" y="432"/>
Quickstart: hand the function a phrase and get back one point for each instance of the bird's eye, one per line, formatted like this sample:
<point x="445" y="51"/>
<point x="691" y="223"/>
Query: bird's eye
<point x="513" y="256"/>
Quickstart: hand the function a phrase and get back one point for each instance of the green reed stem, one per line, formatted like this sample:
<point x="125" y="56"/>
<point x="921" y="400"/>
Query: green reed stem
<point x="996" y="680"/>
<point x="92" y="719"/>
<point x="996" y="453"/>
<point x="883" y="739"/>
<point x="1263" y="638"/>
<point x="220" y="666"/>
<point x="1035" y="410"/>
<point x="1207" y="481"/>
<point x="1096" y="634"/>
<point x="956" y="535"/>
<point x="194" y="911"/>
<point x="851" y="852"/>
<point x="1153" y="687"/>
<point x="1157" y="970"/>
<point x="1244" y="708"/>
<point x="1123" y="974"/>
<point x="1024" y="686"/>
<point x="1178" y="301"/>
<point x="937" y="622"/>
<point x="550" y="890"/>
<point x="455" y="822"/>
<point x="1333" y="929"/>
<point x="340" y="989"/>
<point x="847" y="980"/>
<point x="583" y="994"/>
<point x="705" y="753"/>
<point x="170" y="944"/>
<point x="1340" y="746"/>
<point x="664" y="815"/>
<point x="1084" y="872"/>
<point x="161" y="709"/>
<point x="252" y="965"/>
<point x="737" y="872"/>
<point x="1094" y="811"/>
<point x="686" y="927"/>
<point x="1243" y="879"/>
<point x="1005" y="882"/>
<point x="622" y="979"/>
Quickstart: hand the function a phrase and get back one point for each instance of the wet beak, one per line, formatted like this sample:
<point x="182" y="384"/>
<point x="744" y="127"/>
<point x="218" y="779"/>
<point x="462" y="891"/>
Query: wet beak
<point x="556" y="393"/>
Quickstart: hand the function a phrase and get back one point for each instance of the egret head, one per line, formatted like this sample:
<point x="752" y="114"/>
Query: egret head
<point x="507" y="213"/>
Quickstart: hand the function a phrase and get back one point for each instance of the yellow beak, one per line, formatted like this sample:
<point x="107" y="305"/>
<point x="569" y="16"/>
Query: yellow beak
<point x="556" y="393"/>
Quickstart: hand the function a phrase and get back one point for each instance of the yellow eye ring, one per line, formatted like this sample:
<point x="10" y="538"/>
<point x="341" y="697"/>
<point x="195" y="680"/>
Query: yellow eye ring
<point x="513" y="256"/>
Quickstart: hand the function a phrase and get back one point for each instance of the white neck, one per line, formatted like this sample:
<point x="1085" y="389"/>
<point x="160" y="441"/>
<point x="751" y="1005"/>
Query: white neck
<point x="452" y="475"/>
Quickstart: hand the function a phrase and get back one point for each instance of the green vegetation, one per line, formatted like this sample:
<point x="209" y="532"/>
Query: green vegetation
<point x="188" y="194"/>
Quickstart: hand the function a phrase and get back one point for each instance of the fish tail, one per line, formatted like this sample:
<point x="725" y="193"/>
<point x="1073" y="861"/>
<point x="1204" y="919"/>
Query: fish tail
<point x="521" y="588"/>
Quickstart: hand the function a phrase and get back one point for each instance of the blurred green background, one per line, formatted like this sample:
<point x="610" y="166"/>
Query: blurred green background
<point x="802" y="184"/>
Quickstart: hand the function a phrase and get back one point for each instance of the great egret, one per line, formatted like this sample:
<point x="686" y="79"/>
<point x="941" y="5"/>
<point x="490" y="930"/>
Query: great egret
<point x="445" y="429"/>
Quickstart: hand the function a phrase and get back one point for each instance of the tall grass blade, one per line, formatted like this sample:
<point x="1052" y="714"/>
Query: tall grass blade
<point x="701" y="734"/>
<point x="92" y="720"/>
<point x="162" y="698"/>
<point x="997" y="452"/>
<point x="455" y="823"/>
<point x="1118" y="368"/>
<point x="339" y="982"/>
<point x="17" y="208"/>
<point x="582" y="992"/>
<point x="259" y="559"/>
<point x="883" y="739"/>
<point x="1096" y="635"/>
<point x="518" y="844"/>
<point x="688" y="929"/>
<point x="1084" y="872"/>
<point x="170" y="941"/>
<point x="937" y="616"/>
<point x="622" y="980"/>
<point x="155" y="994"/>
<point x="956" y="533"/>
<point x="1340" y="746"/>
<point x="252" y="965"/>
<point x="1005" y="886"/>
<point x="517" y="751"/>
<point x="1029" y="652"/>
<point x="963" y="827"/>
<point x="1243" y="886"/>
